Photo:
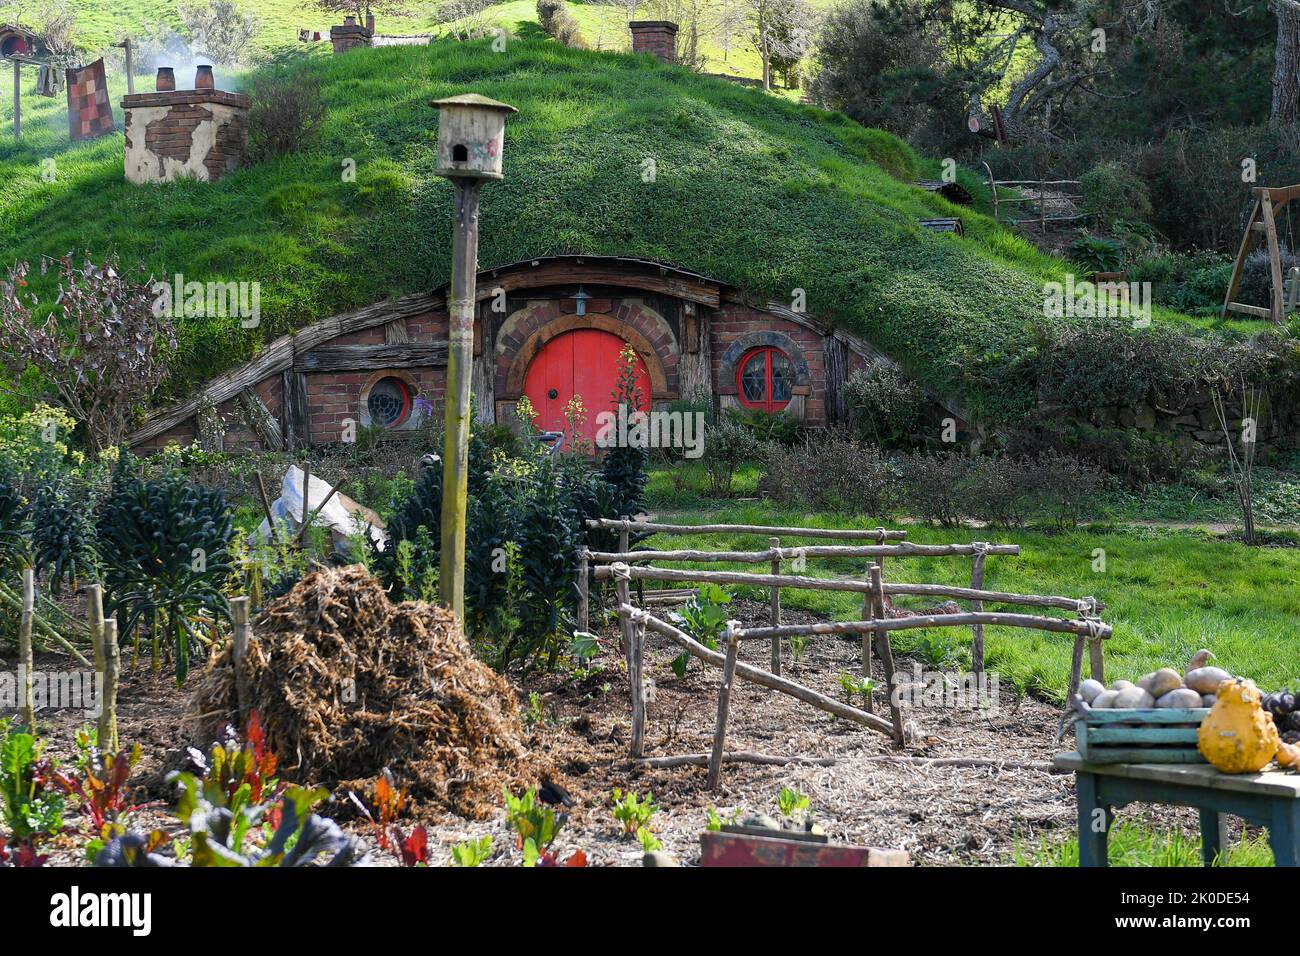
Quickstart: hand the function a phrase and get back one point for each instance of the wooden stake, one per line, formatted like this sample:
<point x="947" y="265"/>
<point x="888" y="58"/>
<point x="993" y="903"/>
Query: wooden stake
<point x="18" y="108"/>
<point x="460" y="366"/>
<point x="26" y="660"/>
<point x="724" y="706"/>
<point x="243" y="629"/>
<point x="1076" y="668"/>
<point x="108" y="703"/>
<point x="306" y="501"/>
<point x="868" y="613"/>
<point x="775" y="615"/>
<point x="977" y="630"/>
<point x="266" y="509"/>
<point x="637" y="683"/>
<point x="886" y="656"/>
<point x="584" y="591"/>
<point x="1098" y="664"/>
<point x="95" y="623"/>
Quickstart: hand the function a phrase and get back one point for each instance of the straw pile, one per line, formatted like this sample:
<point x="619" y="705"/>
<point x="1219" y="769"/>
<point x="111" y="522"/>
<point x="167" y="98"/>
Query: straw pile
<point x="347" y="683"/>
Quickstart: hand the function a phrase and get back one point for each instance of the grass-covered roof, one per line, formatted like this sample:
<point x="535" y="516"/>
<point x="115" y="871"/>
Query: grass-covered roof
<point x="760" y="193"/>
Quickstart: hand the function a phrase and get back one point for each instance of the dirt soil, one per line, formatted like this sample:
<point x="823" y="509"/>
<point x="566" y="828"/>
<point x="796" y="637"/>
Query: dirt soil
<point x="942" y="815"/>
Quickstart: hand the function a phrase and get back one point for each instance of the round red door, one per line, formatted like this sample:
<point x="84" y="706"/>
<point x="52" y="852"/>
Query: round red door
<point x="582" y="362"/>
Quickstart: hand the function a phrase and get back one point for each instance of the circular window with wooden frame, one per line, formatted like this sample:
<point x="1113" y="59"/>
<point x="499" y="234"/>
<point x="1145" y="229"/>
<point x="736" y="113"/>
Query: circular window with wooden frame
<point x="388" y="400"/>
<point x="765" y="379"/>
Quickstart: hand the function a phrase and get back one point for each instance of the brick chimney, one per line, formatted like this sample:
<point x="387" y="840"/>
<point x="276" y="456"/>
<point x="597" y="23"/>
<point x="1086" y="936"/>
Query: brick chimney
<point x="351" y="34"/>
<point x="184" y="134"/>
<point x="656" y="37"/>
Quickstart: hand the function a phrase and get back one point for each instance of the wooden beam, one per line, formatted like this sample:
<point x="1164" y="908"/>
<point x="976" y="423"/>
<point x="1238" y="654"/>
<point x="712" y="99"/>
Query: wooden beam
<point x="698" y="290"/>
<point x="837" y="534"/>
<point x="349" y="358"/>
<point x="260" y="420"/>
<point x="296" y="418"/>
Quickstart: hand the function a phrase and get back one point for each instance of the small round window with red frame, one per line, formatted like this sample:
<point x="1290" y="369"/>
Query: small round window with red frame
<point x="389" y="402"/>
<point x="765" y="379"/>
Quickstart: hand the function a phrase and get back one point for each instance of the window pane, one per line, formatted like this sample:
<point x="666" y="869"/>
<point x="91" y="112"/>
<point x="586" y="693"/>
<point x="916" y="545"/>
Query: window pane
<point x="754" y="378"/>
<point x="782" y="377"/>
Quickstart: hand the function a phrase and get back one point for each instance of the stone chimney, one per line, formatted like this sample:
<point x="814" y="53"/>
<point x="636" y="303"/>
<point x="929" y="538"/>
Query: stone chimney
<point x="351" y="34"/>
<point x="184" y="134"/>
<point x="656" y="37"/>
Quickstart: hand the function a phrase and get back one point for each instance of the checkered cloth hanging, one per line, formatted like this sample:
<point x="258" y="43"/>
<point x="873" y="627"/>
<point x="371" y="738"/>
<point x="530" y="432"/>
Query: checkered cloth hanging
<point x="89" y="112"/>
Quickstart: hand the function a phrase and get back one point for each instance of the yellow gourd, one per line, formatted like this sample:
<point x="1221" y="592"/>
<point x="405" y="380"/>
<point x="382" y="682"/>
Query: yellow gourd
<point x="1238" y="735"/>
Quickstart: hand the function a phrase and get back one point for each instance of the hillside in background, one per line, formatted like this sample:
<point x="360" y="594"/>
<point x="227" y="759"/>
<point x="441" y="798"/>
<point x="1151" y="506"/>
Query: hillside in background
<point x="758" y="192"/>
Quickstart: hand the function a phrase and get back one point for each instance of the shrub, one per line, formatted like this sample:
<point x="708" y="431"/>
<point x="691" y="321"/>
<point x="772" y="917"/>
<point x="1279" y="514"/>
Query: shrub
<point x="934" y="486"/>
<point x="63" y="537"/>
<point x="831" y="471"/>
<point x="556" y="20"/>
<point x="884" y="405"/>
<point x="285" y="115"/>
<point x="219" y="29"/>
<point x="727" y="445"/>
<point x="624" y="465"/>
<point x="1095" y="254"/>
<point x="1135" y="456"/>
<point x="1111" y="192"/>
<point x="765" y="426"/>
<point x="165" y="549"/>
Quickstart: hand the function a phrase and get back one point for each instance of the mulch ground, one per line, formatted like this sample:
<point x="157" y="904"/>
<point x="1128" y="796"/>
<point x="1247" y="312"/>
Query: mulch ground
<point x="942" y="815"/>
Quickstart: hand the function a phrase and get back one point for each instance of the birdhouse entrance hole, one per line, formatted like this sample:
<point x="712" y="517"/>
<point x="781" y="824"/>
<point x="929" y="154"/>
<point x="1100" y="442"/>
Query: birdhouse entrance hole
<point x="459" y="153"/>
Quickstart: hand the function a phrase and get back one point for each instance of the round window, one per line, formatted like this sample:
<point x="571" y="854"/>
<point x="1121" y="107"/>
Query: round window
<point x="765" y="379"/>
<point x="389" y="402"/>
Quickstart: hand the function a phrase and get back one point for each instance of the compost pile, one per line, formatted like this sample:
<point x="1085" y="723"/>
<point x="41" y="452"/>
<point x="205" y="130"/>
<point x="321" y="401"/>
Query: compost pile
<point x="347" y="683"/>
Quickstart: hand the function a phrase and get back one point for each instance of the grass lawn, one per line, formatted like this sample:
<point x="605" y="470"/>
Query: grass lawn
<point x="1167" y="593"/>
<point x="1133" y="844"/>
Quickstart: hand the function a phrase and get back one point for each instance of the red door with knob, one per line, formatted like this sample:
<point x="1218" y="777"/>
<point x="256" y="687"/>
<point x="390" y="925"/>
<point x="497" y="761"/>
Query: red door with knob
<point x="583" y="362"/>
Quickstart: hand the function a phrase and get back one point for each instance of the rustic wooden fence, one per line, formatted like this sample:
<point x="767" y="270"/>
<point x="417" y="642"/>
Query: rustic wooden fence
<point x="625" y="566"/>
<point x="1039" y="186"/>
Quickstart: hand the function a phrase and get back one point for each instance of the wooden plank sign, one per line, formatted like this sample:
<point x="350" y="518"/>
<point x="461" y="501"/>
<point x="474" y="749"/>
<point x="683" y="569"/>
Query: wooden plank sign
<point x="738" y="849"/>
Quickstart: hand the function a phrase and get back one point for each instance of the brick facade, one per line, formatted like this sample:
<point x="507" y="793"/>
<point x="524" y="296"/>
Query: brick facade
<point x="655" y="323"/>
<point x="175" y="134"/>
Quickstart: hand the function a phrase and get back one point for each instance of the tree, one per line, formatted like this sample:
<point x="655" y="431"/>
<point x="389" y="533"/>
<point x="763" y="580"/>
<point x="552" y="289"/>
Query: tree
<point x="219" y="29"/>
<point x="1286" y="64"/>
<point x="779" y="32"/>
<point x="101" y="348"/>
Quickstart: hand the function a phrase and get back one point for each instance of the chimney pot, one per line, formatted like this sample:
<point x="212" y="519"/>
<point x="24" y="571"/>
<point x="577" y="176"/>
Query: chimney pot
<point x="166" y="81"/>
<point x="203" y="78"/>
<point x="350" y="20"/>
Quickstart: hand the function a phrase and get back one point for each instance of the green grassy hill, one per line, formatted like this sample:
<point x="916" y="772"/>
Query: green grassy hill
<point x="756" y="191"/>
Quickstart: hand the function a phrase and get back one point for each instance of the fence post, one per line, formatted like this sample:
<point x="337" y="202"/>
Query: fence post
<point x="239" y="650"/>
<point x="724" y="705"/>
<point x="977" y="584"/>
<point x="886" y="655"/>
<point x="867" y="614"/>
<point x="1097" y="663"/>
<point x="584" y="591"/>
<point x="26" y="661"/>
<point x="108" y="704"/>
<point x="775" y="616"/>
<point x="95" y="623"/>
<point x="637" y="682"/>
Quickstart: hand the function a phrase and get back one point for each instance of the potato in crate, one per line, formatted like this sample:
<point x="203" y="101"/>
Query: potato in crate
<point x="1138" y="735"/>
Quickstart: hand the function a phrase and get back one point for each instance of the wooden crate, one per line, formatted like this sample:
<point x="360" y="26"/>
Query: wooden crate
<point x="1156" y="735"/>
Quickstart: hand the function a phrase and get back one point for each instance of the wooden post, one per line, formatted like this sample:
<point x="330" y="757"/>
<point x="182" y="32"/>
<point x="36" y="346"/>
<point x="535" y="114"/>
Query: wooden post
<point x="306" y="501"/>
<point x="775" y="616"/>
<point x="886" y="654"/>
<point x="18" y="108"/>
<point x="108" y="702"/>
<point x="266" y="508"/>
<point x="1096" y="661"/>
<point x="239" y="653"/>
<point x="460" y="367"/>
<point x="724" y="706"/>
<point x="977" y="630"/>
<point x="1076" y="669"/>
<point x="26" y="661"/>
<point x="622" y="589"/>
<point x="128" y="46"/>
<point x="584" y="591"/>
<point x="623" y="539"/>
<point x="867" y="615"/>
<point x="635" y="679"/>
<point x="95" y="623"/>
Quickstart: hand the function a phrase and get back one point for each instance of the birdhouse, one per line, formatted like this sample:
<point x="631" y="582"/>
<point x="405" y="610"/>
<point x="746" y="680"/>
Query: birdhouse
<point x="471" y="135"/>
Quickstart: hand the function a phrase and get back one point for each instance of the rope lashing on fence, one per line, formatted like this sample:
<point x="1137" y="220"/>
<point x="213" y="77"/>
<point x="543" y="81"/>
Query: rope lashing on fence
<point x="1088" y="607"/>
<point x="620" y="571"/>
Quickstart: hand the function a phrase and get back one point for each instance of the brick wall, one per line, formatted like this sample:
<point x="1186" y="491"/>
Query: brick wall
<point x="656" y="37"/>
<point x="731" y="325"/>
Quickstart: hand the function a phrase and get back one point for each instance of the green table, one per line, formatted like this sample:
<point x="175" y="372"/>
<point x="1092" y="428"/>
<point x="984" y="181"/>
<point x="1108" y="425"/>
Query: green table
<point x="1270" y="799"/>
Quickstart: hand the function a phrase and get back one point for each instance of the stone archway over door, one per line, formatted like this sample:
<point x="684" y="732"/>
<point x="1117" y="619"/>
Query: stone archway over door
<point x="583" y="362"/>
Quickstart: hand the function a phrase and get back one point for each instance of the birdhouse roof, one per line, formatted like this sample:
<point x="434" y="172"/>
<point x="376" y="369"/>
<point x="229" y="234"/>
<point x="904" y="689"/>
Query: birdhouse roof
<point x="476" y="101"/>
